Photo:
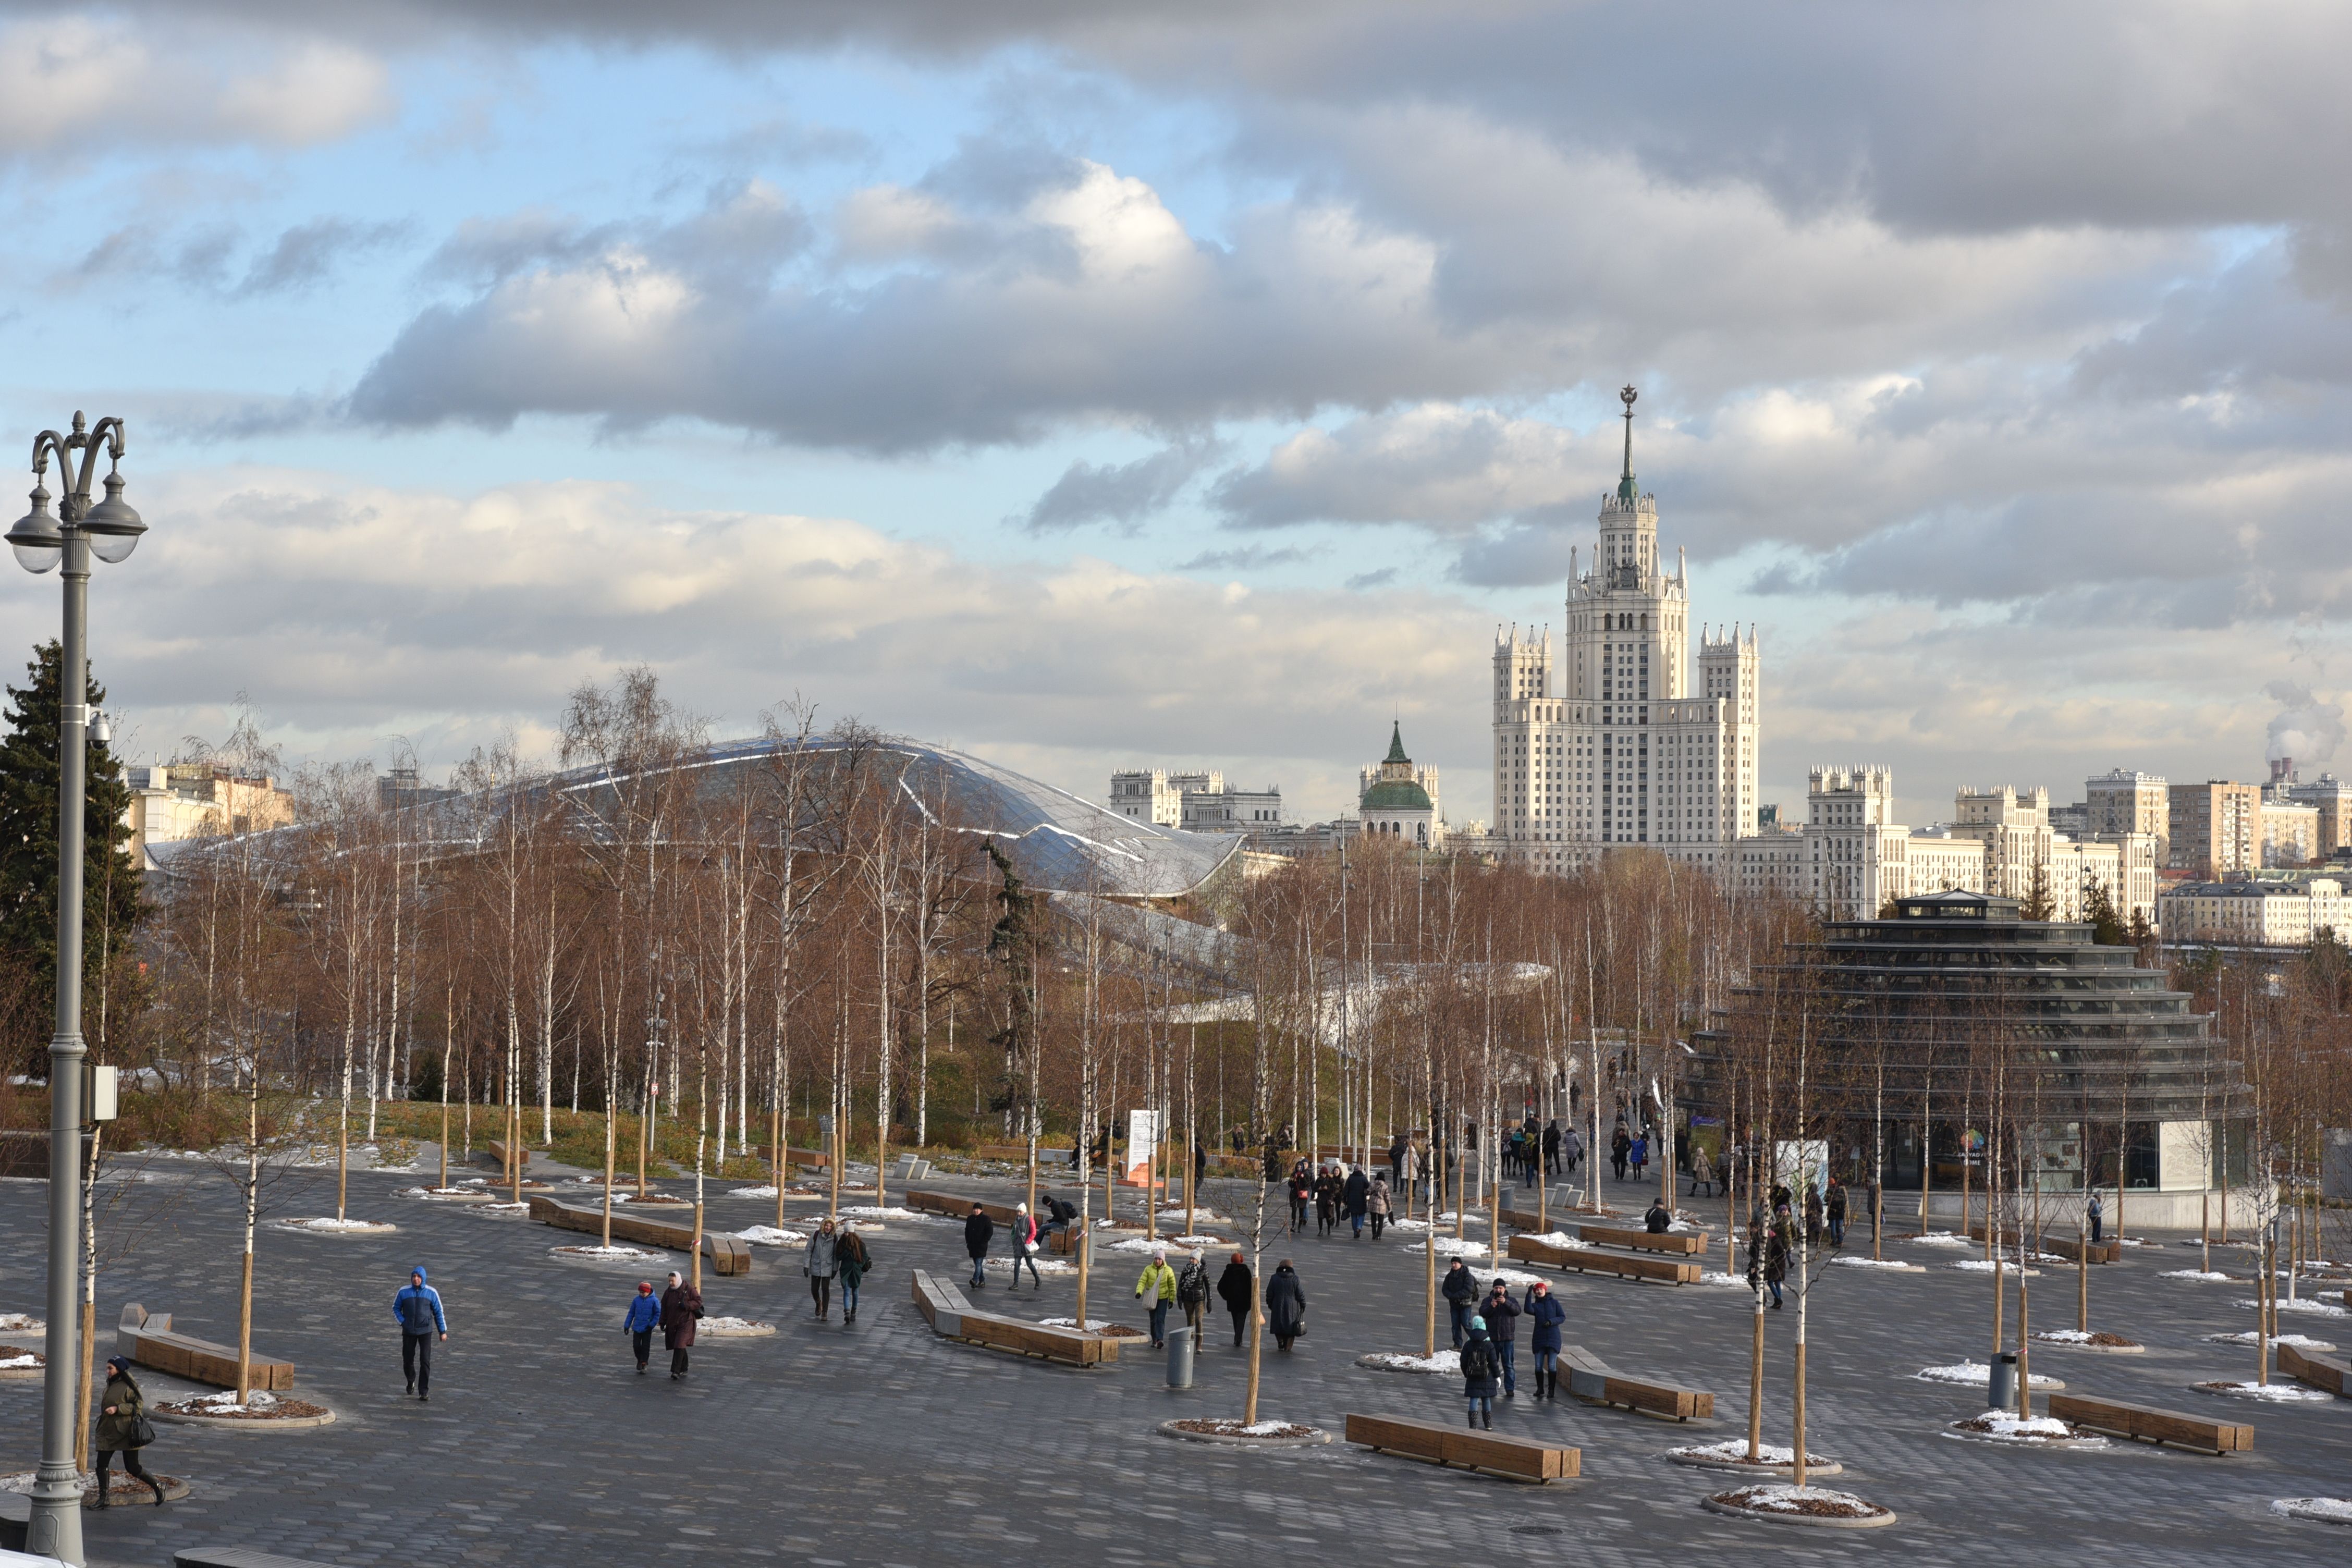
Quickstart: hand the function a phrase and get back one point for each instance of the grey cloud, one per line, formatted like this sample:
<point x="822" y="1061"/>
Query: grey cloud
<point x="1534" y="549"/>
<point x="2308" y="730"/>
<point x="1363" y="582"/>
<point x="1123" y="493"/>
<point x="306" y="253"/>
<point x="1247" y="558"/>
<point x="484" y="250"/>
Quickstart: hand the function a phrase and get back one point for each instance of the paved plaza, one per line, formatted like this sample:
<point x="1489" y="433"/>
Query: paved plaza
<point x="878" y="1443"/>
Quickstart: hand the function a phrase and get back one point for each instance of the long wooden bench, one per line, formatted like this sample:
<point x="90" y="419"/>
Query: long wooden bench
<point x="1521" y="1458"/>
<point x="949" y="1207"/>
<point x="147" y="1337"/>
<point x="1689" y="1244"/>
<point x="2149" y="1425"/>
<point x="943" y="1306"/>
<point x="727" y="1254"/>
<point x="2325" y="1371"/>
<point x="235" y="1557"/>
<point x="1596" y="1260"/>
<point x="1593" y="1381"/>
<point x="2073" y="1249"/>
<point x="1018" y="1153"/>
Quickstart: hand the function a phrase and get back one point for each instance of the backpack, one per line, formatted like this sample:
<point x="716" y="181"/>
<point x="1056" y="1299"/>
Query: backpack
<point x="1478" y="1360"/>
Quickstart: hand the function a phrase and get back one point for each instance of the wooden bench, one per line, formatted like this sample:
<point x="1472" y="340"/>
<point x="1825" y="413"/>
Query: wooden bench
<point x="1018" y="1153"/>
<point x="2149" y="1425"/>
<point x="1521" y="1458"/>
<point x="1593" y="1381"/>
<point x="2073" y="1249"/>
<point x="727" y="1254"/>
<point x="952" y="1207"/>
<point x="235" y="1557"/>
<point x="1689" y="1244"/>
<point x="943" y="1306"/>
<point x="2319" y="1371"/>
<point x="147" y="1338"/>
<point x="1594" y="1261"/>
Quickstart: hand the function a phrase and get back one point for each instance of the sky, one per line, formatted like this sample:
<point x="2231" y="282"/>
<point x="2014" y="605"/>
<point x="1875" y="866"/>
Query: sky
<point x="1202" y="383"/>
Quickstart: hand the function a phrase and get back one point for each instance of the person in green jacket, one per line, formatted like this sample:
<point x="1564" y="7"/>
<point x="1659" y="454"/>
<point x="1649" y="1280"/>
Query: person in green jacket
<point x="121" y="1410"/>
<point x="1159" y="1285"/>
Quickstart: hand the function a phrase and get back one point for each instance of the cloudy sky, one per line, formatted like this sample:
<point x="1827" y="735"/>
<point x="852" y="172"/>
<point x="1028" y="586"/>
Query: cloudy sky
<point x="1202" y="382"/>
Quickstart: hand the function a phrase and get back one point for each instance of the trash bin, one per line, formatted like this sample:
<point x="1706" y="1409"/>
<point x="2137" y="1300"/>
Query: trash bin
<point x="2003" y="1393"/>
<point x="1179" y="1357"/>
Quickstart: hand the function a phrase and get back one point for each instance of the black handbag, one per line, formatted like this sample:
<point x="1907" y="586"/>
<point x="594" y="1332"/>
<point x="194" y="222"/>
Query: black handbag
<point x="143" y="1431"/>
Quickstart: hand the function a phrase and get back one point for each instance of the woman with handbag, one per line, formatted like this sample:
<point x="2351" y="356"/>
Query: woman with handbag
<point x="852" y="1262"/>
<point x="122" y="1428"/>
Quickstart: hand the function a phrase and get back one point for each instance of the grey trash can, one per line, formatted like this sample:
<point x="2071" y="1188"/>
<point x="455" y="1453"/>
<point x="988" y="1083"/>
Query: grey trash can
<point x="1179" y="1357"/>
<point x="2003" y="1392"/>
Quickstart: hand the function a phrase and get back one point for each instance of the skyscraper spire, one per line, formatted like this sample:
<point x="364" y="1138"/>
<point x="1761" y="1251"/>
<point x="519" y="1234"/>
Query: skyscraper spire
<point x="1626" y="489"/>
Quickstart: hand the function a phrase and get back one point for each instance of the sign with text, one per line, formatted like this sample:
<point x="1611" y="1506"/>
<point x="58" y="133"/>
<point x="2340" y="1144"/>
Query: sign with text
<point x="1142" y="1138"/>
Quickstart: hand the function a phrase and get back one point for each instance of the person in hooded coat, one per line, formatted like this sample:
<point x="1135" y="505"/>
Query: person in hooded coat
<point x="120" y="1410"/>
<point x="1481" y="1374"/>
<point x="853" y="1263"/>
<point x="1358" y="1196"/>
<point x="1545" y="1315"/>
<point x="819" y="1261"/>
<point x="681" y="1308"/>
<point x="1233" y="1291"/>
<point x="1192" y="1295"/>
<point x="1286" y="1305"/>
<point x="1377" y="1203"/>
<point x="644" y="1315"/>
<point x="417" y="1309"/>
<point x="978" y="1229"/>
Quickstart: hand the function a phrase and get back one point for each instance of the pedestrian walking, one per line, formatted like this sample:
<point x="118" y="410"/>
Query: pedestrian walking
<point x="681" y="1308"/>
<point x="1376" y="1204"/>
<point x="1502" y="1315"/>
<point x="1460" y="1288"/>
<point x="850" y="1256"/>
<point x="417" y="1309"/>
<point x="122" y="1428"/>
<point x="2092" y="1208"/>
<point x="1192" y="1295"/>
<point x="821" y="1260"/>
<point x="1233" y="1291"/>
<point x="978" y="1230"/>
<point x="1837" y="1212"/>
<point x="1552" y="1147"/>
<point x="1157" y="1286"/>
<point x="1776" y="1256"/>
<point x="1813" y="1213"/>
<point x="1638" y="1154"/>
<point x="1302" y="1193"/>
<point x="1328" y="1187"/>
<point x="1481" y="1374"/>
<point x="639" y="1322"/>
<point x="1571" y="1149"/>
<point x="1024" y="1248"/>
<point x="1356" y="1196"/>
<point x="1286" y="1305"/>
<point x="1544" y="1316"/>
<point x="1702" y="1172"/>
<point x="1398" y="1148"/>
<point x="1620" y="1146"/>
<point x="1416" y="1171"/>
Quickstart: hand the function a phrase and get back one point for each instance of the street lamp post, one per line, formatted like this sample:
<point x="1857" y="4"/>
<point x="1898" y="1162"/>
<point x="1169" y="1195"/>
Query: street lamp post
<point x="108" y="531"/>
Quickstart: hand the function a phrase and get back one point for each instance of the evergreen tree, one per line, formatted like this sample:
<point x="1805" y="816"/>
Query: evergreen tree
<point x="28" y="855"/>
<point x="2039" y="904"/>
<point x="2107" y="928"/>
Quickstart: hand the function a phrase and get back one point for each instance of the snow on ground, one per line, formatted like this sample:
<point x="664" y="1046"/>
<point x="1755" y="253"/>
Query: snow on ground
<point x="330" y="1222"/>
<point x="1559" y="1238"/>
<point x="2208" y="1275"/>
<point x="1140" y="1245"/>
<point x="1449" y="1246"/>
<point x="2300" y="1342"/>
<point x="1975" y="1374"/>
<point x="1985" y="1265"/>
<point x="2334" y="1510"/>
<point x="1939" y="1238"/>
<point x="19" y="1363"/>
<point x="605" y="1254"/>
<point x="225" y="1403"/>
<point x="2271" y="1392"/>
<point x="2310" y="1308"/>
<point x="21" y="1323"/>
<point x="1794" y="1499"/>
<point x="1201" y="1216"/>
<point x="1045" y="1266"/>
<point x="2008" y="1424"/>
<point x="500" y="1211"/>
<point x="734" y="1328"/>
<point x="1736" y="1448"/>
<point x="1845" y="1262"/>
<point x="1738" y="1281"/>
<point x="751" y="1191"/>
<point x="1094" y="1325"/>
<point x="868" y="1211"/>
<point x="768" y="1236"/>
<point x="1444" y="1364"/>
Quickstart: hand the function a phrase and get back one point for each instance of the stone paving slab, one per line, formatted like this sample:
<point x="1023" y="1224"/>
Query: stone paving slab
<point x="879" y="1444"/>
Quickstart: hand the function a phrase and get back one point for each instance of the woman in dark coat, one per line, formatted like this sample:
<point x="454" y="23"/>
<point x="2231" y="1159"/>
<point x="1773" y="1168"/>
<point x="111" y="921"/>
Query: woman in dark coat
<point x="1482" y="1370"/>
<point x="121" y="1411"/>
<point x="852" y="1262"/>
<point x="1547" y="1315"/>
<point x="1233" y="1291"/>
<point x="681" y="1308"/>
<point x="1326" y="1201"/>
<point x="1286" y="1305"/>
<point x="1357" y="1198"/>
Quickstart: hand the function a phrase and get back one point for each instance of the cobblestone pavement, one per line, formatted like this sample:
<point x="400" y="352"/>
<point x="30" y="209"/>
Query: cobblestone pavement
<point x="879" y="1444"/>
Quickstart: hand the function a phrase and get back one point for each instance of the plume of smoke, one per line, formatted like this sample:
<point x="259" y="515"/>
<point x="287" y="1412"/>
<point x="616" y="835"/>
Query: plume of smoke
<point x="2305" y="728"/>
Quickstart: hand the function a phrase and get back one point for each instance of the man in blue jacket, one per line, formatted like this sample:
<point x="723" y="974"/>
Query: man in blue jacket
<point x="417" y="1311"/>
<point x="645" y="1316"/>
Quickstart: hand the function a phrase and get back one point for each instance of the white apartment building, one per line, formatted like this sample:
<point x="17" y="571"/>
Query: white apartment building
<point x="2291" y="833"/>
<point x="2257" y="914"/>
<point x="1851" y="856"/>
<point x="1201" y="802"/>
<point x="1635" y="746"/>
<point x="180" y="800"/>
<point x="2123" y="800"/>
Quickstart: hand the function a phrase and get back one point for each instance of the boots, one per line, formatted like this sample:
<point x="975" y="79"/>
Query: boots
<point x="159" y="1490"/>
<point x="1488" y="1417"/>
<point x="101" y="1500"/>
<point x="1470" y="1421"/>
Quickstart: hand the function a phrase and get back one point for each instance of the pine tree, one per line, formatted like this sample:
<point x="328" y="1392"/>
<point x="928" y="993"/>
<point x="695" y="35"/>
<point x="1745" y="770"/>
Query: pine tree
<point x="111" y="904"/>
<point x="2107" y="928"/>
<point x="2038" y="903"/>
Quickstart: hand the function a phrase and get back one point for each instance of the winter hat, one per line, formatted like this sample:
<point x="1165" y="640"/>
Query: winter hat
<point x="1020" y="1208"/>
<point x="119" y="1363"/>
<point x="645" y="1287"/>
<point x="1479" y="1324"/>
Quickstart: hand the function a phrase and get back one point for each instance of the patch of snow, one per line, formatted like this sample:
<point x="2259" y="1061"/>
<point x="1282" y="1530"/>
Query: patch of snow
<point x="868" y="1211"/>
<point x="1986" y="1266"/>
<point x="2208" y="1275"/>
<point x="1737" y="1281"/>
<point x="1094" y="1325"/>
<point x="1975" y="1374"/>
<point x="2272" y="1393"/>
<point x="1560" y="1238"/>
<point x="2334" y="1510"/>
<point x="21" y="1323"/>
<point x="1451" y="1247"/>
<point x="735" y="1328"/>
<point x="752" y="1192"/>
<point x="500" y="1211"/>
<point x="1793" y="1500"/>
<point x="1044" y="1265"/>
<point x="1939" y="1238"/>
<point x="19" y="1363"/>
<point x="1266" y="1428"/>
<point x="1736" y="1448"/>
<point x="225" y="1403"/>
<point x="1444" y="1364"/>
<point x="1200" y="1241"/>
<point x="2309" y="1309"/>
<point x="603" y="1254"/>
<point x="330" y="1222"/>
<point x="1200" y="1216"/>
<point x="768" y="1236"/>
<point x="1843" y="1262"/>
<point x="2300" y="1342"/>
<point x="1138" y="1244"/>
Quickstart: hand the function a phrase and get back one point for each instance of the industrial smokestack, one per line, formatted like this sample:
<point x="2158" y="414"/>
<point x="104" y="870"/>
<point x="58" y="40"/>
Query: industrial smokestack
<point x="2282" y="771"/>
